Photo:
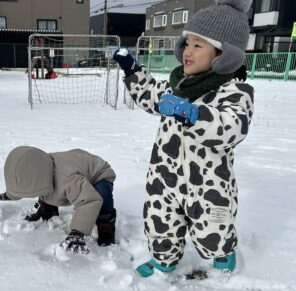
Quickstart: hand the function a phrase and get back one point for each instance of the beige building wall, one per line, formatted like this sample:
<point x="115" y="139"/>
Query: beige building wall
<point x="71" y="17"/>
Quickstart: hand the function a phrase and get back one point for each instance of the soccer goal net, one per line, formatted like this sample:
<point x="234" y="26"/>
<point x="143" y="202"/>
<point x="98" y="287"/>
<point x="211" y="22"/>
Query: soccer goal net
<point x="71" y="69"/>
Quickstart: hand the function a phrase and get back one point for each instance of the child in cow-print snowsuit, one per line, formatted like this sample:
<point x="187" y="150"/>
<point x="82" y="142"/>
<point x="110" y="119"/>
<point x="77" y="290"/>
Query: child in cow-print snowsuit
<point x="205" y="112"/>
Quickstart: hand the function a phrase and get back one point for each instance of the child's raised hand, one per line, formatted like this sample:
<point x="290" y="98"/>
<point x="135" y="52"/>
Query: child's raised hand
<point x="180" y="108"/>
<point x="126" y="61"/>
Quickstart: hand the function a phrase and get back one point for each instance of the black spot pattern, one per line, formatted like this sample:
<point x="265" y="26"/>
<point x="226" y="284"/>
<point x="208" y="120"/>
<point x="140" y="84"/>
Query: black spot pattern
<point x="155" y="158"/>
<point x="169" y="178"/>
<point x="212" y="142"/>
<point x="210" y="97"/>
<point x="172" y="147"/>
<point x="200" y="131"/>
<point x="159" y="226"/>
<point x="233" y="98"/>
<point x="165" y="127"/>
<point x="244" y="122"/>
<point x="246" y="88"/>
<point x="183" y="189"/>
<point x="205" y="114"/>
<point x="163" y="246"/>
<point x="230" y="244"/>
<point x="231" y="140"/>
<point x="192" y="148"/>
<point x="215" y="197"/>
<point x="210" y="242"/>
<point x="202" y="153"/>
<point x="156" y="188"/>
<point x="180" y="171"/>
<point x="195" y="176"/>
<point x="187" y="133"/>
<point x="220" y="131"/>
<point x="222" y="170"/>
<point x="195" y="211"/>
<point x="181" y="231"/>
<point x="157" y="205"/>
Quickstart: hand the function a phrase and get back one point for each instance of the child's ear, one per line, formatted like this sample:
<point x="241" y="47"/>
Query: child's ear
<point x="230" y="59"/>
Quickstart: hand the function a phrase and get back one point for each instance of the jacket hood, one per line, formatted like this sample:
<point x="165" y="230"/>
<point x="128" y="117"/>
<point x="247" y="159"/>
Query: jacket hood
<point x="28" y="173"/>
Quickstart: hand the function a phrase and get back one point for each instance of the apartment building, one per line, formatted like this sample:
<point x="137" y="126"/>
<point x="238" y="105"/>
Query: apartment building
<point x="20" y="18"/>
<point x="169" y="17"/>
<point x="67" y="16"/>
<point x="270" y="21"/>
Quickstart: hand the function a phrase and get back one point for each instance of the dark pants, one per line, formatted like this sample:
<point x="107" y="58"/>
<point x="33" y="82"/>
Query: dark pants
<point x="105" y="189"/>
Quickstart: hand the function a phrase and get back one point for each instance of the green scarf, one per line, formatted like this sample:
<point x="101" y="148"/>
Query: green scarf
<point x="193" y="86"/>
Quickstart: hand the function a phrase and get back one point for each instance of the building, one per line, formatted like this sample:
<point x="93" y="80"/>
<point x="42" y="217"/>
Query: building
<point x="128" y="26"/>
<point x="68" y="16"/>
<point x="168" y="18"/>
<point x="126" y="19"/>
<point x="271" y="25"/>
<point x="271" y="21"/>
<point x="20" y="18"/>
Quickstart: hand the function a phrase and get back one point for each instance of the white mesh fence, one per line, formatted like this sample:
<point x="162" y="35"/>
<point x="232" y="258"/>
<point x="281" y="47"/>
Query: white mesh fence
<point x="72" y="69"/>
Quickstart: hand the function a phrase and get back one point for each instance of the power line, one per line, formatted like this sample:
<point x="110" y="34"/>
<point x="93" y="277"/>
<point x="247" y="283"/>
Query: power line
<point x="101" y="4"/>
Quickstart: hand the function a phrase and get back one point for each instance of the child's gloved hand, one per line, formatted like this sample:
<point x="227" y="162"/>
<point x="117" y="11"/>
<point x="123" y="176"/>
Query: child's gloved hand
<point x="182" y="109"/>
<point x="126" y="61"/>
<point x="44" y="211"/>
<point x="4" y="197"/>
<point x="75" y="243"/>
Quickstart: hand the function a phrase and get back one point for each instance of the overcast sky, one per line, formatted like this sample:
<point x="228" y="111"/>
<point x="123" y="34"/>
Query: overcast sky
<point x="129" y="6"/>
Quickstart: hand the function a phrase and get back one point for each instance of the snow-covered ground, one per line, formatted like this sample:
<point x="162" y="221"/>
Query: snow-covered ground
<point x="30" y="256"/>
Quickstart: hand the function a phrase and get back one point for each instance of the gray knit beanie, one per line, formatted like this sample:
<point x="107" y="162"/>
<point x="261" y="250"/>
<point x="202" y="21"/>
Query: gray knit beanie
<point x="225" y="26"/>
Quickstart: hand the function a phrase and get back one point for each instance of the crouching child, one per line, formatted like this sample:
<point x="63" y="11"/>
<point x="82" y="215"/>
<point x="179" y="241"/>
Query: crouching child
<point x="73" y="177"/>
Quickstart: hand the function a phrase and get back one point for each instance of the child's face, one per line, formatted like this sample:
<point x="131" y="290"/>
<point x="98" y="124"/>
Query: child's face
<point x="198" y="55"/>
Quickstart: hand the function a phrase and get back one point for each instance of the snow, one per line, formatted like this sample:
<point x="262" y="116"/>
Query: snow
<point x="31" y="258"/>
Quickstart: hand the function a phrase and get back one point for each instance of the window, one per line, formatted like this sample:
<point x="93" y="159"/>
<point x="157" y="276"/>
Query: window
<point x="2" y="22"/>
<point x="147" y="24"/>
<point x="43" y="24"/>
<point x="160" y="20"/>
<point x="164" y="20"/>
<point x="79" y="1"/>
<point x="180" y="16"/>
<point x="267" y="5"/>
<point x="185" y="16"/>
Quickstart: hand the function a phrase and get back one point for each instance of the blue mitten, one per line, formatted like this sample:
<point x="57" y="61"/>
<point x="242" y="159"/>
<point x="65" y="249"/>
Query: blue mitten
<point x="180" y="108"/>
<point x="126" y="61"/>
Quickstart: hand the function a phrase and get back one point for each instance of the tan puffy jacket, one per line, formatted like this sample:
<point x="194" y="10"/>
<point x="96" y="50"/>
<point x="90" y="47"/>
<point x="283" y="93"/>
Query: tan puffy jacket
<point x="62" y="178"/>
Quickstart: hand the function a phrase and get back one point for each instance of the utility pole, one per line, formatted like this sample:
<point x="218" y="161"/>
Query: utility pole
<point x="105" y="32"/>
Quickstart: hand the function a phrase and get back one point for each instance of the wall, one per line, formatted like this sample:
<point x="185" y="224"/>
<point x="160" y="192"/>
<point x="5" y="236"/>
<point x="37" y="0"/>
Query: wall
<point x="72" y="18"/>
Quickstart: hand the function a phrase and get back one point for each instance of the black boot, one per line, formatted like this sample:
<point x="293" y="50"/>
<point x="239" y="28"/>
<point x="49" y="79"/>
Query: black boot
<point x="106" y="228"/>
<point x="44" y="211"/>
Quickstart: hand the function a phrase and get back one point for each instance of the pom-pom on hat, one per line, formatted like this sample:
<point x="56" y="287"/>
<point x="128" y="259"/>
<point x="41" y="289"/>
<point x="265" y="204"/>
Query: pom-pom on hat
<point x="225" y="25"/>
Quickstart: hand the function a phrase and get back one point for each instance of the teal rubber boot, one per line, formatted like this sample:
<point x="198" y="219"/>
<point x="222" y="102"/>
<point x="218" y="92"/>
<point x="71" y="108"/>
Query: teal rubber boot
<point x="226" y="263"/>
<point x="147" y="269"/>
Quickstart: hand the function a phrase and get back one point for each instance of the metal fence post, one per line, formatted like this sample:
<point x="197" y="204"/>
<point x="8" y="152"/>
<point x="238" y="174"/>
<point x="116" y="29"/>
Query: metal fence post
<point x="253" y="66"/>
<point x="288" y="66"/>
<point x="14" y="55"/>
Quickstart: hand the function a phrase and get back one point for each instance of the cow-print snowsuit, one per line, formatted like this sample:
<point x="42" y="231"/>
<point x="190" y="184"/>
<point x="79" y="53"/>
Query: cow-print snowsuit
<point x="190" y="182"/>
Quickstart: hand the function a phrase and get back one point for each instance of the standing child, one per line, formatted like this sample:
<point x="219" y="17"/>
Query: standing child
<point x="74" y="177"/>
<point x="205" y="112"/>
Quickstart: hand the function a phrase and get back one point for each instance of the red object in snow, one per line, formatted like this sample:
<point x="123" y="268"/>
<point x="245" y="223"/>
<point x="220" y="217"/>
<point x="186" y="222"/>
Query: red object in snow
<point x="53" y="75"/>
